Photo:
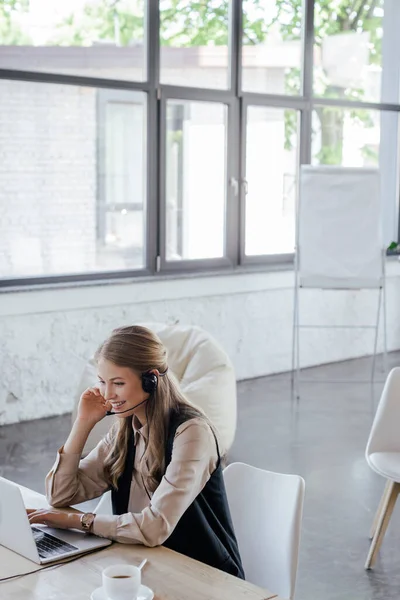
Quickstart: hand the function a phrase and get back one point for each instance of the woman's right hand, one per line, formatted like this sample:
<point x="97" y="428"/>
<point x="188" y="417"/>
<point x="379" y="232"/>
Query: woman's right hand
<point x="92" y="406"/>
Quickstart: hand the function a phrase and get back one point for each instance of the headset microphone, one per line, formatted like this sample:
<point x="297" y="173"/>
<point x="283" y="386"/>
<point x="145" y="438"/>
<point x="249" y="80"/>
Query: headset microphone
<point x="109" y="413"/>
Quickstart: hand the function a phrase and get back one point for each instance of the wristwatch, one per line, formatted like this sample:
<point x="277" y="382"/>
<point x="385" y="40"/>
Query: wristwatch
<point x="87" y="520"/>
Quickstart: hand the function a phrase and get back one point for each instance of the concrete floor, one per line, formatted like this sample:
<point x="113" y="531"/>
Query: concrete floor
<point x="322" y="438"/>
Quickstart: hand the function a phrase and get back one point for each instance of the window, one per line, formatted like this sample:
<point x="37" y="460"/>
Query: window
<point x="271" y="175"/>
<point x="122" y="182"/>
<point x="66" y="207"/>
<point x="92" y="38"/>
<point x="356" y="50"/>
<point x="271" y="49"/>
<point x="194" y="43"/>
<point x="346" y="137"/>
<point x="348" y="49"/>
<point x="146" y="136"/>
<point x="195" y="179"/>
<point x="361" y="138"/>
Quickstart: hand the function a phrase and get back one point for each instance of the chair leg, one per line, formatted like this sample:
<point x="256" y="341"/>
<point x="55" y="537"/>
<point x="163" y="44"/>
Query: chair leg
<point x="379" y="509"/>
<point x="383" y="521"/>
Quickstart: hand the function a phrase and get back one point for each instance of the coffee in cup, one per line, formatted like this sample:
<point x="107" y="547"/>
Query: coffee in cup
<point x="121" y="582"/>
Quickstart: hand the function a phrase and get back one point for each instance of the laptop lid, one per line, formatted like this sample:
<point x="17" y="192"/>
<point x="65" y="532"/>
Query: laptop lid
<point x="15" y="529"/>
<point x="16" y="533"/>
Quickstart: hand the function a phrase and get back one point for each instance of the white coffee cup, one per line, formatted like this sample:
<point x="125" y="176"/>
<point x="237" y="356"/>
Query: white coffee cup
<point x="121" y="582"/>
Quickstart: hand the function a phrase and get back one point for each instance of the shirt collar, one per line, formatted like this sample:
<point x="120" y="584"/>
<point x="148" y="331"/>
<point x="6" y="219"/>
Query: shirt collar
<point x="139" y="429"/>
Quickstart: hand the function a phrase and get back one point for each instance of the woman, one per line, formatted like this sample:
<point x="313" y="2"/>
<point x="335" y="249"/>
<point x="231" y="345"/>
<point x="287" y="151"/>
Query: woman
<point x="161" y="460"/>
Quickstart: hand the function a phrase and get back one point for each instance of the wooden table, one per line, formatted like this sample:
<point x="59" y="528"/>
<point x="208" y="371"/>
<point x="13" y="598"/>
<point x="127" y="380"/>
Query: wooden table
<point x="172" y="576"/>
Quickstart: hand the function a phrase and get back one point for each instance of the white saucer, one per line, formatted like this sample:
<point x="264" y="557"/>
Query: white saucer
<point x="144" y="593"/>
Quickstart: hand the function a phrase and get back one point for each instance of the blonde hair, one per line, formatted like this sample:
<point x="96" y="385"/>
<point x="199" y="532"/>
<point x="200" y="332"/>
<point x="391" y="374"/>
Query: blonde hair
<point x="141" y="350"/>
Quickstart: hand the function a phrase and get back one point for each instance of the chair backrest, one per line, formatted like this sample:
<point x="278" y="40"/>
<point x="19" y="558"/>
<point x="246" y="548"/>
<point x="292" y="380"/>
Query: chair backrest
<point x="266" y="510"/>
<point x="384" y="436"/>
<point x="205" y="373"/>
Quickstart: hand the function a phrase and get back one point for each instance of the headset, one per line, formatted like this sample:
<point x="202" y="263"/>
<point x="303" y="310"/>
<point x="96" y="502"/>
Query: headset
<point x="149" y="385"/>
<point x="149" y="382"/>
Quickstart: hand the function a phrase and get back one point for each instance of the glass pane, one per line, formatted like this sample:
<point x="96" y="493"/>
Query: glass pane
<point x="348" y="49"/>
<point x="271" y="174"/>
<point x="195" y="179"/>
<point x="72" y="191"/>
<point x="94" y="38"/>
<point x="345" y="137"/>
<point x="272" y="54"/>
<point x="362" y="138"/>
<point x="194" y="43"/>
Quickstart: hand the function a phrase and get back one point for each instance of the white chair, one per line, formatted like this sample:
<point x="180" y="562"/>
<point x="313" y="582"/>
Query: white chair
<point x="205" y="374"/>
<point x="383" y="456"/>
<point x="266" y="510"/>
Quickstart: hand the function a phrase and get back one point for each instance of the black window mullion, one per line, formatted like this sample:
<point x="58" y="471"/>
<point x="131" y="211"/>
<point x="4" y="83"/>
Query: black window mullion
<point x="232" y="214"/>
<point x="235" y="45"/>
<point x="153" y="135"/>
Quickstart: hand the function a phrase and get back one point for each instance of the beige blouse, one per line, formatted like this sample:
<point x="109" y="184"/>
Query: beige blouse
<point x="148" y="522"/>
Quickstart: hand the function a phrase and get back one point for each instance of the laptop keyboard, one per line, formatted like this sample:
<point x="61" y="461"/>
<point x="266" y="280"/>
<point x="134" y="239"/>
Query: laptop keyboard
<point x="48" y="545"/>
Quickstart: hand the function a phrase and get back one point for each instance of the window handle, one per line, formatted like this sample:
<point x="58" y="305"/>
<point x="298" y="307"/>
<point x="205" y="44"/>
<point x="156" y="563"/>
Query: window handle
<point x="233" y="182"/>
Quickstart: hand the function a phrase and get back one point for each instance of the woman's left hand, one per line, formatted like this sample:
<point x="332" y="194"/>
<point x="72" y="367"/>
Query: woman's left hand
<point x="54" y="518"/>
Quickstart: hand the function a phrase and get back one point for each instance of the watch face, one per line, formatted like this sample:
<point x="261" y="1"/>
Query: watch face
<point x="87" y="520"/>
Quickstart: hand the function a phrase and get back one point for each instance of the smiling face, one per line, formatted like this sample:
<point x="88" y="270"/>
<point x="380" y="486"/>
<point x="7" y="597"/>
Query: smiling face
<point x="121" y="386"/>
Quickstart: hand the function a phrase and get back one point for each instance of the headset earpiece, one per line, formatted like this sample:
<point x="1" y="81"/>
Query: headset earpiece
<point x="149" y="382"/>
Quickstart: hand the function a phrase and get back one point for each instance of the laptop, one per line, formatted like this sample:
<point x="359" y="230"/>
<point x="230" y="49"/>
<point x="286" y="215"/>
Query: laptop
<point x="39" y="543"/>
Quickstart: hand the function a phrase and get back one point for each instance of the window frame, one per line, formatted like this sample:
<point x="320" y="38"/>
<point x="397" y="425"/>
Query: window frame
<point x="281" y="103"/>
<point x="238" y="102"/>
<point x="231" y="200"/>
<point x="104" y="98"/>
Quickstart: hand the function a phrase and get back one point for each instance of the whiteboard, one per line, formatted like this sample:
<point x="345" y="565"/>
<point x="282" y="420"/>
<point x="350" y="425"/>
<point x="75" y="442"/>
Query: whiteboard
<point x="339" y="237"/>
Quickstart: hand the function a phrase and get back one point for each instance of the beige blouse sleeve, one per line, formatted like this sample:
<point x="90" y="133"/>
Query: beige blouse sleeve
<point x="194" y="458"/>
<point x="72" y="480"/>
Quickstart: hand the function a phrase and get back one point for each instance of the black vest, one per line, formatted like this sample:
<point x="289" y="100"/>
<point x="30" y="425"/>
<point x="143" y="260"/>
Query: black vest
<point x="205" y="530"/>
